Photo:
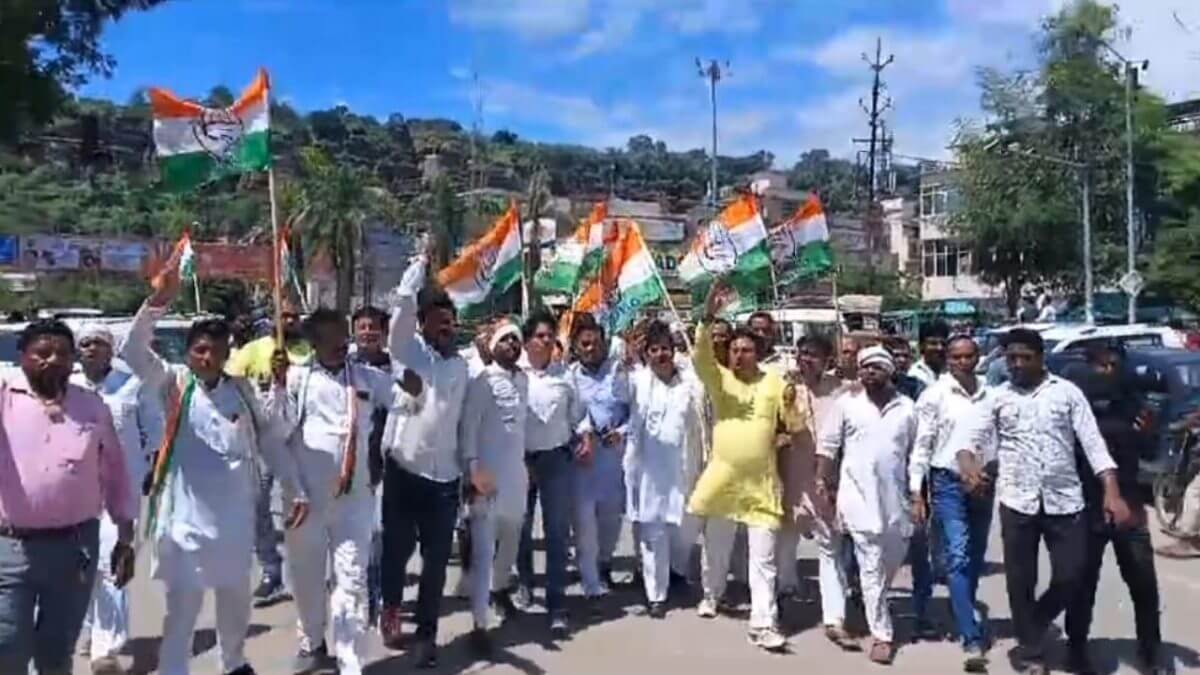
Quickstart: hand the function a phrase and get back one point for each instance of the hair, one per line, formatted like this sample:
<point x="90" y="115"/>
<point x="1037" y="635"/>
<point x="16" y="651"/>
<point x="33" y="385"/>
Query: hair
<point x="934" y="329"/>
<point x="430" y="299"/>
<point x="895" y="343"/>
<point x="761" y="315"/>
<point x="1093" y="353"/>
<point x="1026" y="337"/>
<point x="538" y="318"/>
<point x="43" y="327"/>
<point x="959" y="338"/>
<point x="658" y="332"/>
<point x="585" y="321"/>
<point x="370" y="312"/>
<point x="216" y="330"/>
<point x="722" y="322"/>
<point x="744" y="333"/>
<point x="322" y="316"/>
<point x="818" y="342"/>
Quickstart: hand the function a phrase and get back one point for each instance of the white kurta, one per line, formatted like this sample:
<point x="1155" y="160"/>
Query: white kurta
<point x="664" y="452"/>
<point x="493" y="429"/>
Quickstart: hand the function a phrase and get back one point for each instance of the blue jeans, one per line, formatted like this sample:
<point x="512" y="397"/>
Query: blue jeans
<point x="45" y="588"/>
<point x="922" y="571"/>
<point x="266" y="537"/>
<point x="549" y="479"/>
<point x="964" y="521"/>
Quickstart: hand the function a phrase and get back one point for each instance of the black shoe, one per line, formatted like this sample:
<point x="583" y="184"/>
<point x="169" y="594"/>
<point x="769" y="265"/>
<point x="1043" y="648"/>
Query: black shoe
<point x="426" y="653"/>
<point x="244" y="670"/>
<point x="481" y="644"/>
<point x="1079" y="661"/>
<point x="1152" y="661"/>
<point x="679" y="583"/>
<point x="307" y="661"/>
<point x="559" y="628"/>
<point x="657" y="610"/>
<point x="503" y="603"/>
<point x="270" y="591"/>
<point x="974" y="660"/>
<point x="926" y="630"/>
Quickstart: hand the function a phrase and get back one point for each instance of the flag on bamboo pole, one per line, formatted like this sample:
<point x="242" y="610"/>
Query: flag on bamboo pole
<point x="578" y="258"/>
<point x="625" y="284"/>
<point x="196" y="144"/>
<point x="487" y="267"/>
<point x="800" y="245"/>
<point x="187" y="257"/>
<point x="734" y="245"/>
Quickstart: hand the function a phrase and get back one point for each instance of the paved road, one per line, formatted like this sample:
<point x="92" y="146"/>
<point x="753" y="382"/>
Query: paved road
<point x="621" y="641"/>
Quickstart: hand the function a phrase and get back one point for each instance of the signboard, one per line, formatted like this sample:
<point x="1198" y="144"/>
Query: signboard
<point x="667" y="231"/>
<point x="1132" y="283"/>
<point x="8" y="250"/>
<point x="124" y="256"/>
<point x="250" y="263"/>
<point x="48" y="252"/>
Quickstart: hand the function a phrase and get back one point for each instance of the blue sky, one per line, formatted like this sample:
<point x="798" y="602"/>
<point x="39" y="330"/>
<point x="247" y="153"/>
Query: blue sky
<point x="598" y="71"/>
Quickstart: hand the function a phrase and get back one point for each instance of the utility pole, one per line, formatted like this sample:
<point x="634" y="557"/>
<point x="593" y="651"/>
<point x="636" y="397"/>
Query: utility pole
<point x="875" y="111"/>
<point x="713" y="73"/>
<point x="1089" y="310"/>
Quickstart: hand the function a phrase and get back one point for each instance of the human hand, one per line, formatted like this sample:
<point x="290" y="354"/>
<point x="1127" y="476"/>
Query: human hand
<point x="614" y="438"/>
<point x="482" y="481"/>
<point x="279" y="366"/>
<point x="166" y="283"/>
<point x="586" y="448"/>
<point x="1117" y="512"/>
<point x="715" y="298"/>
<point x="823" y="502"/>
<point x="410" y="382"/>
<point x="920" y="513"/>
<point x="121" y="563"/>
<point x="298" y="514"/>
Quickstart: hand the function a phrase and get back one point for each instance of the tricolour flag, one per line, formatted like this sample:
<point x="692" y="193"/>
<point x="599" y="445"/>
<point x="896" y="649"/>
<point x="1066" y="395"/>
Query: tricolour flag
<point x="488" y="266"/>
<point x="734" y="246"/>
<point x="196" y="144"/>
<point x="578" y="258"/>
<point x="187" y="257"/>
<point x="800" y="245"/>
<point x="626" y="283"/>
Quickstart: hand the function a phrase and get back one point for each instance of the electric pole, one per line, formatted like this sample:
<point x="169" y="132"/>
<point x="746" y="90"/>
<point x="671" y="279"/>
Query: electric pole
<point x="713" y="73"/>
<point x="874" y="113"/>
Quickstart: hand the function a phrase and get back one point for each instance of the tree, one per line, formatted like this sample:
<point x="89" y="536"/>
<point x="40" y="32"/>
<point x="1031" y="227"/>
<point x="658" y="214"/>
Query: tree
<point x="219" y="96"/>
<point x="48" y="47"/>
<point x="504" y="137"/>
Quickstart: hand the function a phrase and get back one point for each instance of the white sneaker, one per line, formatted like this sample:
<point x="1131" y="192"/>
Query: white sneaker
<point x="707" y="609"/>
<point x="767" y="639"/>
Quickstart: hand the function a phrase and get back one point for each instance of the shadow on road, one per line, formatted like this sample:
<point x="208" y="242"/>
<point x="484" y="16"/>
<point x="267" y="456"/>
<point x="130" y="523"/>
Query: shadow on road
<point x="144" y="650"/>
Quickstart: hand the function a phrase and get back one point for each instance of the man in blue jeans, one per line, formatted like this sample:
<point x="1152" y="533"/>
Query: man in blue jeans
<point x="555" y="412"/>
<point x="959" y="487"/>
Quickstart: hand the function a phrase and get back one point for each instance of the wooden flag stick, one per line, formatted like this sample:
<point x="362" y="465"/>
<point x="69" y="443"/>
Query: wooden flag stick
<point x="276" y="287"/>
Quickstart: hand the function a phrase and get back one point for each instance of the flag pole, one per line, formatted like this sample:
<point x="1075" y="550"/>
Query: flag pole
<point x="837" y="309"/>
<point x="196" y="290"/>
<point x="275" y="280"/>
<point x="661" y="284"/>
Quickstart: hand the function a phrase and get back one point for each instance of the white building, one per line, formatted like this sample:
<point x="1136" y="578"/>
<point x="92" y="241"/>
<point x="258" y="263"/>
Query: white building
<point x="946" y="266"/>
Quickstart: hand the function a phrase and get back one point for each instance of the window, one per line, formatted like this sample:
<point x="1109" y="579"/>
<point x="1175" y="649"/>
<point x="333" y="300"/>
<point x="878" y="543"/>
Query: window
<point x="944" y="258"/>
<point x="934" y="199"/>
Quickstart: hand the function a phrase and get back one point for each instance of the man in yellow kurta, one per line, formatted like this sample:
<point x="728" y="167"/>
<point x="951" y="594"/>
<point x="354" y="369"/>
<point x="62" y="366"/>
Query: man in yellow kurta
<point x="741" y="484"/>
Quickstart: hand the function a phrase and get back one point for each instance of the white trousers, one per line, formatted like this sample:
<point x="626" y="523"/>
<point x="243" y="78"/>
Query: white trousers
<point x="183" y="607"/>
<point x="107" y="620"/>
<point x="336" y="534"/>
<point x="495" y="538"/>
<point x="597" y="529"/>
<point x="786" y="543"/>
<point x="1189" y="522"/>
<point x="665" y="548"/>
<point x="719" y="535"/>
<point x="830" y="574"/>
<point x="879" y="558"/>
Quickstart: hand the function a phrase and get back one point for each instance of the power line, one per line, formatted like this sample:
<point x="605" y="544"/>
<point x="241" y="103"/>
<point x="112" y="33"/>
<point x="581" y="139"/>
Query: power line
<point x="874" y="115"/>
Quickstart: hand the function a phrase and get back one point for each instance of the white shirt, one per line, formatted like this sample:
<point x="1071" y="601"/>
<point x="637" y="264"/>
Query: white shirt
<point x="874" y="445"/>
<point x="554" y="407"/>
<point x="493" y="429"/>
<point x="663" y="450"/>
<point x="1036" y="432"/>
<point x="422" y="436"/>
<point x="921" y="371"/>
<point x="943" y="414"/>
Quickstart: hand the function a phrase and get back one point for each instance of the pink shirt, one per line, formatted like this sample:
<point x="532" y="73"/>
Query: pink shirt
<point x="58" y="473"/>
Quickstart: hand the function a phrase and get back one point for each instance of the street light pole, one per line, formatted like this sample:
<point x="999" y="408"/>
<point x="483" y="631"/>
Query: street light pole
<point x="712" y="72"/>
<point x="1130" y="235"/>
<point x="1089" y="313"/>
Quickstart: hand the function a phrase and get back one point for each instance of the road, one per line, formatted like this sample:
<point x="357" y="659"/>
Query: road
<point x="622" y="641"/>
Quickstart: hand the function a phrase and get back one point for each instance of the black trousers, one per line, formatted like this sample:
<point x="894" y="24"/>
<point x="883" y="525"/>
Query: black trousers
<point x="1066" y="541"/>
<point x="1135" y="560"/>
<point x="417" y="509"/>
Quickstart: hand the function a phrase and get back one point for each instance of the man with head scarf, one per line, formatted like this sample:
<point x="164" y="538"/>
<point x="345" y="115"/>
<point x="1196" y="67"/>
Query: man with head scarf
<point x="139" y="422"/>
<point x="871" y="431"/>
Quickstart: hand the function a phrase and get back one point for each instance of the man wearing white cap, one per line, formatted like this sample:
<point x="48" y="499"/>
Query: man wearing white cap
<point x="493" y="425"/>
<point x="138" y="420"/>
<point x="871" y="430"/>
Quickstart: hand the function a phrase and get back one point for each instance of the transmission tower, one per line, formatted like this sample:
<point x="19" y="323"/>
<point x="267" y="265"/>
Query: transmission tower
<point x="878" y="140"/>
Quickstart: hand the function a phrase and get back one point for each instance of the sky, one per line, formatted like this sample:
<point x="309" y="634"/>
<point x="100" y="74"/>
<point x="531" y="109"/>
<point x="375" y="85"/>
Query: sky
<point x="597" y="72"/>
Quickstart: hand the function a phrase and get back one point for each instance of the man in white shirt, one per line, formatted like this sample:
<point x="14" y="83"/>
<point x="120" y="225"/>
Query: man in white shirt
<point x="138" y="421"/>
<point x="932" y="343"/>
<point x="329" y="409"/>
<point x="959" y="486"/>
<point x="663" y="458"/>
<point x="871" y="430"/>
<point x="555" y="411"/>
<point x="424" y="457"/>
<point x="1037" y="419"/>
<point x="493" y="428"/>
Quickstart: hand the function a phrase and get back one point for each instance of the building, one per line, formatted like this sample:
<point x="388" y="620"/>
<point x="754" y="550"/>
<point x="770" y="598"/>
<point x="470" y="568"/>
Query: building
<point x="946" y="265"/>
<point x="1184" y="116"/>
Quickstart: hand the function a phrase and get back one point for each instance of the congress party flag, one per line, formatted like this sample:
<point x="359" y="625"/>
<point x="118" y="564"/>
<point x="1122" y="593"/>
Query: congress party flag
<point x="734" y="246"/>
<point x="800" y="245"/>
<point x="487" y="267"/>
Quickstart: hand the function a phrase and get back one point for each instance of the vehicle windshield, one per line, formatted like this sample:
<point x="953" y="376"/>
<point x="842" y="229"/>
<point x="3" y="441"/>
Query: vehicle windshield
<point x="1189" y="374"/>
<point x="8" y="347"/>
<point x="170" y="343"/>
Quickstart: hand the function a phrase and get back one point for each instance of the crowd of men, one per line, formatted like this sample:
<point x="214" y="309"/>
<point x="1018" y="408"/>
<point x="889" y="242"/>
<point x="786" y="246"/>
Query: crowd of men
<point x="389" y="438"/>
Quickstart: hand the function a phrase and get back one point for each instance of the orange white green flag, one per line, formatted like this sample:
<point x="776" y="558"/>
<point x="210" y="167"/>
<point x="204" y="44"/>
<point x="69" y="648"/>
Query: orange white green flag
<point x="800" y="244"/>
<point x="196" y="144"/>
<point x="487" y="267"/>
<point x="626" y="283"/>
<point x="733" y="246"/>
<point x="579" y="258"/>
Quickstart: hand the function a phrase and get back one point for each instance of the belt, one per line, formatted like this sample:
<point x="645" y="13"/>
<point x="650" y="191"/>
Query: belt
<point x="12" y="532"/>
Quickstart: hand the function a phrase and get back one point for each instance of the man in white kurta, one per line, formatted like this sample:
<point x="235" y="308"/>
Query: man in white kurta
<point x="493" y="423"/>
<point x="330" y="406"/>
<point x="203" y="522"/>
<point x="663" y="458"/>
<point x="872" y="431"/>
<point x="138" y="421"/>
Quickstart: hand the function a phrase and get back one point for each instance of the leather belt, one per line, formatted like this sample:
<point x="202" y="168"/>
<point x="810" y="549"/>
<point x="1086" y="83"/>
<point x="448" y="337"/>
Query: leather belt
<point x="13" y="532"/>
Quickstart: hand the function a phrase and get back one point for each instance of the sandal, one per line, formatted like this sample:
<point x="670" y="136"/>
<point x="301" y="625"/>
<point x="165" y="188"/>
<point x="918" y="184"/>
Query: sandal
<point x="838" y="636"/>
<point x="882" y="653"/>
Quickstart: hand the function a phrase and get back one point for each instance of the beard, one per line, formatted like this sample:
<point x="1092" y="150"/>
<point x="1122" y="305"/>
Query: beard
<point x="48" y="382"/>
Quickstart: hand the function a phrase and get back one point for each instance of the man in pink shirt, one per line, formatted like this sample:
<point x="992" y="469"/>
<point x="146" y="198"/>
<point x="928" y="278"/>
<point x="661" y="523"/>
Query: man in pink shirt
<point x="60" y="464"/>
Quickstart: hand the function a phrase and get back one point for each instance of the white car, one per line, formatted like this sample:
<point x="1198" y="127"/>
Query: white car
<point x="1066" y="338"/>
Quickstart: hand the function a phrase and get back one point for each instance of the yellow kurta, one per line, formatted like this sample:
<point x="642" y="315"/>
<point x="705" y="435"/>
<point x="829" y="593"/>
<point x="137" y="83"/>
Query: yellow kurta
<point x="741" y="480"/>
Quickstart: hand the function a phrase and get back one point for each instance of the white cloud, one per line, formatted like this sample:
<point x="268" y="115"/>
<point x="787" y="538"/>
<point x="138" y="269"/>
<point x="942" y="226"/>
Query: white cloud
<point x="618" y="22"/>
<point x="530" y="19"/>
<point x="697" y="17"/>
<point x="460" y="73"/>
<point x="1173" y="50"/>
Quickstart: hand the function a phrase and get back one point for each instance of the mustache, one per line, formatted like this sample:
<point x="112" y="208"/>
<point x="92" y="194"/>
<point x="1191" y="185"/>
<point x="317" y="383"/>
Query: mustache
<point x="49" y="381"/>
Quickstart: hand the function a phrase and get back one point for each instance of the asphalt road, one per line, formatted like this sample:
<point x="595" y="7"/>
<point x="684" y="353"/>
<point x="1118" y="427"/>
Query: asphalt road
<point x="620" y="640"/>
